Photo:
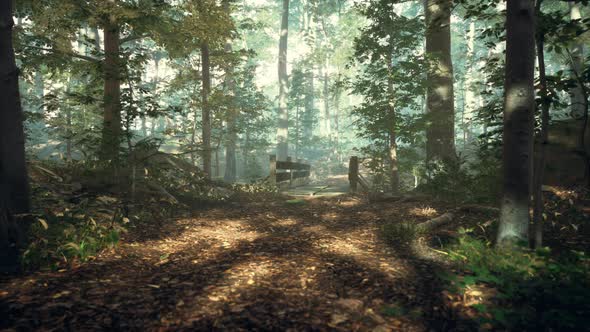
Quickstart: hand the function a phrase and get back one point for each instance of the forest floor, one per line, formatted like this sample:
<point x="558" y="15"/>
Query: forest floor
<point x="266" y="263"/>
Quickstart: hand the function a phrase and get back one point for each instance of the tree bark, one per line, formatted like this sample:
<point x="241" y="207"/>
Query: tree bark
<point x="440" y="132"/>
<point x="111" y="131"/>
<point x="14" y="185"/>
<point x="309" y="105"/>
<point x="577" y="55"/>
<point x="337" y="123"/>
<point x="470" y="96"/>
<point x="327" y="99"/>
<point x="519" y="107"/>
<point x="543" y="140"/>
<point x="232" y="137"/>
<point x="283" y="116"/>
<point x="393" y="162"/>
<point x="206" y="115"/>
<point x="579" y="97"/>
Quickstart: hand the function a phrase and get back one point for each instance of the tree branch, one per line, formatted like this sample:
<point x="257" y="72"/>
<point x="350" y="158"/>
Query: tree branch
<point x="72" y="54"/>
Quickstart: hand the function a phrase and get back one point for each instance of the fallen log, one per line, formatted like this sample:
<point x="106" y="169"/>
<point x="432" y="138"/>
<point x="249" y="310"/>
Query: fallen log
<point x="447" y="217"/>
<point x="436" y="222"/>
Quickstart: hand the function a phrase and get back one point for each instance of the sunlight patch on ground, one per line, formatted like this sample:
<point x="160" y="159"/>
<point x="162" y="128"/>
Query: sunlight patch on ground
<point x="223" y="235"/>
<point x="425" y="211"/>
<point x="286" y="222"/>
<point x="351" y="203"/>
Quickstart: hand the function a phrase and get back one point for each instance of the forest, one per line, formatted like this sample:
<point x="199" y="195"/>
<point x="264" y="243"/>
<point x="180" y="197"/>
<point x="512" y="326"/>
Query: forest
<point x="294" y="165"/>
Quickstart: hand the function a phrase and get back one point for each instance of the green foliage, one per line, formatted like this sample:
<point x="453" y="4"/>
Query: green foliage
<point x="458" y="181"/>
<point x="70" y="236"/>
<point x="397" y="233"/>
<point x="534" y="291"/>
<point x="390" y="77"/>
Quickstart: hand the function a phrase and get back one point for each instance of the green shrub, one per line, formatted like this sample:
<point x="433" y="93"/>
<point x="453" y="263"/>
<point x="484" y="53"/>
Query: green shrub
<point x="535" y="291"/>
<point x="399" y="232"/>
<point x="56" y="240"/>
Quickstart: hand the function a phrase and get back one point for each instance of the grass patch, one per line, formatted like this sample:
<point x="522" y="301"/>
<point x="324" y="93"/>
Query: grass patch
<point x="399" y="232"/>
<point x="533" y="290"/>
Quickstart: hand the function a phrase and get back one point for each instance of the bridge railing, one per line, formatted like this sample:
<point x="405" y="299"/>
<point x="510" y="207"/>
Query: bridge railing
<point x="296" y="172"/>
<point x="354" y="176"/>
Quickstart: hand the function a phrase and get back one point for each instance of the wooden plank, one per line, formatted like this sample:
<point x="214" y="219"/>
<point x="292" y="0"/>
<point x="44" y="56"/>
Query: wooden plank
<point x="273" y="170"/>
<point x="353" y="171"/>
<point x="363" y="182"/>
<point x="300" y="174"/>
<point x="280" y="177"/>
<point x="287" y="165"/>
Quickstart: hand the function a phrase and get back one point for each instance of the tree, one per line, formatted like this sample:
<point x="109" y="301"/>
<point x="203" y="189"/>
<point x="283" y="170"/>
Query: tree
<point x="111" y="130"/>
<point x="232" y="132"/>
<point x="14" y="188"/>
<point x="206" y="115"/>
<point x="283" y="116"/>
<point x="519" y="108"/>
<point x="389" y="80"/>
<point x="440" y="132"/>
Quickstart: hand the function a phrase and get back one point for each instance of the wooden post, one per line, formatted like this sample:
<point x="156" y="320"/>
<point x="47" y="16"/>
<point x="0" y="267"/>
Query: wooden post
<point x="353" y="173"/>
<point x="273" y="170"/>
<point x="289" y="159"/>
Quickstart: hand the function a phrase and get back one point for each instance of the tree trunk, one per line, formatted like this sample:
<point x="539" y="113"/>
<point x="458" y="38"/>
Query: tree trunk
<point x="393" y="162"/>
<point x="111" y="131"/>
<point x="206" y="116"/>
<point x="579" y="96"/>
<point x="440" y="132"/>
<point x="297" y="128"/>
<point x="14" y="186"/>
<point x="519" y="108"/>
<point x="470" y="96"/>
<point x="337" y="124"/>
<point x="232" y="137"/>
<point x="327" y="99"/>
<point x="577" y="55"/>
<point x="283" y="118"/>
<point x="543" y="140"/>
<point x="309" y="105"/>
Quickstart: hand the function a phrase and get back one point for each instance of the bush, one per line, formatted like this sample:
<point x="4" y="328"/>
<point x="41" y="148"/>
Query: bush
<point x="60" y="239"/>
<point x="399" y="232"/>
<point x="534" y="291"/>
<point x="458" y="181"/>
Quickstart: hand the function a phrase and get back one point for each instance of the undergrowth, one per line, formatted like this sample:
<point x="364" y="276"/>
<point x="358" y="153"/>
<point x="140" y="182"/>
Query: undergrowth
<point x="70" y="236"/>
<point x="533" y="290"/>
<point x="399" y="232"/>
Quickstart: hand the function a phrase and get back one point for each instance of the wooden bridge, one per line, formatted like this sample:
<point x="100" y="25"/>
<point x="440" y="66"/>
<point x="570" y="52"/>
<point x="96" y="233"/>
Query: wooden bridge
<point x="293" y="178"/>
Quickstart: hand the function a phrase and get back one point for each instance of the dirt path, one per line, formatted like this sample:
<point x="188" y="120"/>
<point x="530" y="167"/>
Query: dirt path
<point x="268" y="265"/>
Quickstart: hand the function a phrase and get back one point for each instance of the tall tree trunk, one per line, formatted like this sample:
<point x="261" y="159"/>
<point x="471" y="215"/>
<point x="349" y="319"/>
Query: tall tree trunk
<point x="539" y="169"/>
<point x="14" y="185"/>
<point x="579" y="95"/>
<point x="206" y="120"/>
<point x="519" y="108"/>
<point x="577" y="55"/>
<point x="440" y="133"/>
<point x="337" y="123"/>
<point x="283" y="118"/>
<point x="393" y="162"/>
<point x="232" y="137"/>
<point x="309" y="105"/>
<point x="327" y="99"/>
<point x="297" y="136"/>
<point x="470" y="96"/>
<point x="111" y="131"/>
